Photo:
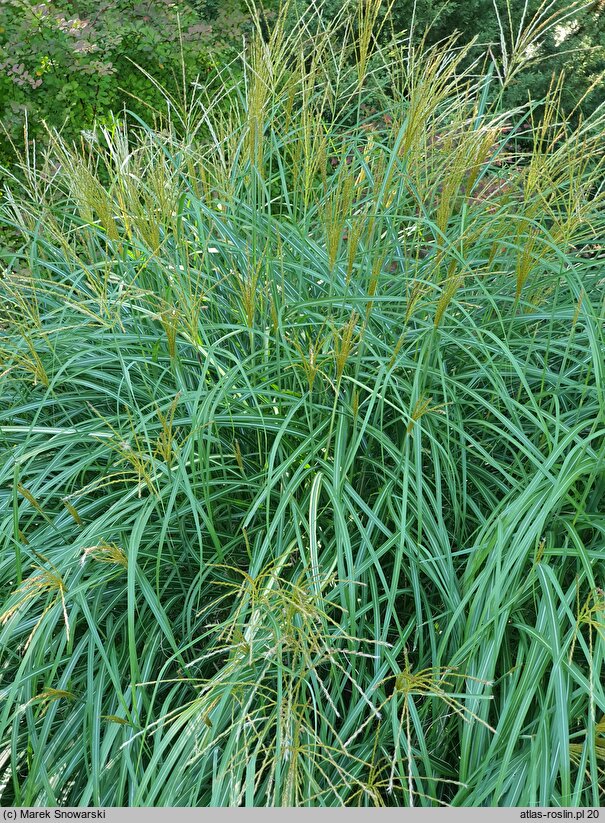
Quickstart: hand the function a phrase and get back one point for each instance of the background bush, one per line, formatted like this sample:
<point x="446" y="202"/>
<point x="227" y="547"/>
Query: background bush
<point x="575" y="45"/>
<point x="71" y="63"/>
<point x="567" y="36"/>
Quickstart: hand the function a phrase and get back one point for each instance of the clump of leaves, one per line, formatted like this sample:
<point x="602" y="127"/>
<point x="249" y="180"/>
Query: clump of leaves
<point x="302" y="461"/>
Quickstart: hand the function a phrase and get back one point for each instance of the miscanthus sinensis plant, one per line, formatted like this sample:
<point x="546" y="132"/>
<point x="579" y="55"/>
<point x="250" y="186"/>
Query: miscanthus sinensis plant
<point x="302" y="482"/>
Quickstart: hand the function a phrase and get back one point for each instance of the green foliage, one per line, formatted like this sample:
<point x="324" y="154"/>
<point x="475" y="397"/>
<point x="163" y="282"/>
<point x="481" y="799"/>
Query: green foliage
<point x="569" y="36"/>
<point x="71" y="64"/>
<point x="302" y="432"/>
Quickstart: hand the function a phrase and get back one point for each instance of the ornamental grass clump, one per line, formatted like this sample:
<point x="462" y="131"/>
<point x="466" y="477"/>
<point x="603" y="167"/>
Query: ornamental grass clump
<point x="302" y="431"/>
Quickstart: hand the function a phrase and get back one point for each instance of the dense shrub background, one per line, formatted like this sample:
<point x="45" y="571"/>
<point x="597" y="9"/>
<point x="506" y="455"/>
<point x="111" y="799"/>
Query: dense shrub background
<point x="575" y="45"/>
<point x="581" y="54"/>
<point x="71" y="62"/>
